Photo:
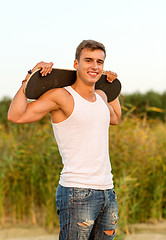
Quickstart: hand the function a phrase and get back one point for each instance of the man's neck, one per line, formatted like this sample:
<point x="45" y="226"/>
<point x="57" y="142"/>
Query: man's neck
<point x="85" y="90"/>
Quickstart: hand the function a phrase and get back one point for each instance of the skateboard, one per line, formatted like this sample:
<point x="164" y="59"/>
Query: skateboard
<point x="37" y="85"/>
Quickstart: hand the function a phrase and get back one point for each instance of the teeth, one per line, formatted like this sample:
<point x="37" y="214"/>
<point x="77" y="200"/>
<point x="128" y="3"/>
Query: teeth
<point x="92" y="73"/>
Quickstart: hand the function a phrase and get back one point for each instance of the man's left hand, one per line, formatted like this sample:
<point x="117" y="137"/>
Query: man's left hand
<point x="111" y="76"/>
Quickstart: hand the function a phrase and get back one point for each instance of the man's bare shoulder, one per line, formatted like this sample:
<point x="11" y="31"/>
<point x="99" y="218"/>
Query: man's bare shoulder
<point x="58" y="95"/>
<point x="102" y="94"/>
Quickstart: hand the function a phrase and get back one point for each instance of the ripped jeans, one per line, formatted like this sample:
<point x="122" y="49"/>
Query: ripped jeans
<point x="86" y="214"/>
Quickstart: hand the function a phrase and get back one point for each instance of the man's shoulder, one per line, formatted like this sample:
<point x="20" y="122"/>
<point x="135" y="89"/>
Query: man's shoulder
<point x="57" y="92"/>
<point x="59" y="95"/>
<point x="102" y="94"/>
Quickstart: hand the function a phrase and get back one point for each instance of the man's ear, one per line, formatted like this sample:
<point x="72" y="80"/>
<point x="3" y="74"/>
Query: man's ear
<point x="76" y="64"/>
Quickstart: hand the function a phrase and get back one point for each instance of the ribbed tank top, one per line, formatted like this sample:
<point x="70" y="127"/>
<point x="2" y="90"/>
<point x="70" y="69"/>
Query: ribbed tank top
<point x="83" y="141"/>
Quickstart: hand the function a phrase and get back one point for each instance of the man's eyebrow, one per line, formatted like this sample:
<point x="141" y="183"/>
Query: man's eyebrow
<point x="88" y="58"/>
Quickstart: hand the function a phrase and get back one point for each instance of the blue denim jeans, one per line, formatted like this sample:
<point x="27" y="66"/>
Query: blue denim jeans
<point x="86" y="214"/>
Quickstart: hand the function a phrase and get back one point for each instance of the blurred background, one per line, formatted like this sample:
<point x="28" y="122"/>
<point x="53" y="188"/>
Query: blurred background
<point x="134" y="33"/>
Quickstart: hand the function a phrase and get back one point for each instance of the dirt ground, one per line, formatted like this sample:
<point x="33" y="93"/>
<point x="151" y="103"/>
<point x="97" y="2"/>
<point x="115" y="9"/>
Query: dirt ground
<point x="148" y="231"/>
<point x="27" y="233"/>
<point x="140" y="232"/>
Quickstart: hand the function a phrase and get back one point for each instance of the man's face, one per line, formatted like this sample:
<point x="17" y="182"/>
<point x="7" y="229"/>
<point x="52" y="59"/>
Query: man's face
<point x="90" y="65"/>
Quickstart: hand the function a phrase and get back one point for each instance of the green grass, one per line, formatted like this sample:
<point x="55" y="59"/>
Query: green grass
<point x="30" y="166"/>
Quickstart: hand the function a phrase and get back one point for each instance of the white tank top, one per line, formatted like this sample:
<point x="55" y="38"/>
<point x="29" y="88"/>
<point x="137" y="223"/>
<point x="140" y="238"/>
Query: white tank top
<point x="83" y="141"/>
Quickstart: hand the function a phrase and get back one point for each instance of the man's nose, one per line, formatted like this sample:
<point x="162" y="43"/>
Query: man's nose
<point x="94" y="65"/>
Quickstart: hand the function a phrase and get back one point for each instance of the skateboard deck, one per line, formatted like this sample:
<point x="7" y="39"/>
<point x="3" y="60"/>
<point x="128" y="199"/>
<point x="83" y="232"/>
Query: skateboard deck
<point x="37" y="85"/>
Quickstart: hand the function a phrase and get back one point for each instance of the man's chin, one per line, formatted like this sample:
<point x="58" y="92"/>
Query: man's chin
<point x="95" y="79"/>
<point x="92" y="82"/>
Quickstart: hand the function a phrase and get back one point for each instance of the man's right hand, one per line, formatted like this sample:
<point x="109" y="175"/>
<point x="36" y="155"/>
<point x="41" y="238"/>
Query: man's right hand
<point x="46" y="68"/>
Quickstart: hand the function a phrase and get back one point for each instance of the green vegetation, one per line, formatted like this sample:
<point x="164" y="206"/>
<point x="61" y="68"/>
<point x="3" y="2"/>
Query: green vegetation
<point x="137" y="150"/>
<point x="30" y="165"/>
<point x="150" y="104"/>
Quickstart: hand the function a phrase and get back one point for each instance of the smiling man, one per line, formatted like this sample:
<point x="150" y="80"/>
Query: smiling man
<point x="85" y="198"/>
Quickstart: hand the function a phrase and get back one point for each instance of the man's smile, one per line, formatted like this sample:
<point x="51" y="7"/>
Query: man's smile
<point x="92" y="73"/>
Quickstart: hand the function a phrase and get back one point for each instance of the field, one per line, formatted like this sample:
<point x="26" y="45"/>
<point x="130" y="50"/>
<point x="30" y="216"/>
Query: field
<point x="30" y="166"/>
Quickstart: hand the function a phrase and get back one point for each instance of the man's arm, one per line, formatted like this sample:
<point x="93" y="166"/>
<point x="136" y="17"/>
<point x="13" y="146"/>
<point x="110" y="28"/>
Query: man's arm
<point x="115" y="111"/>
<point x="21" y="111"/>
<point x="114" y="106"/>
<point x="31" y="112"/>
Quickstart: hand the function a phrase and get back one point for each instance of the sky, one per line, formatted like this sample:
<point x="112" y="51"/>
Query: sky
<point x="133" y="32"/>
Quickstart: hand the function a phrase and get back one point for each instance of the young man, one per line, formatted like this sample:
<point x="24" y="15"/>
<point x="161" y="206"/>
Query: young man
<point x="85" y="198"/>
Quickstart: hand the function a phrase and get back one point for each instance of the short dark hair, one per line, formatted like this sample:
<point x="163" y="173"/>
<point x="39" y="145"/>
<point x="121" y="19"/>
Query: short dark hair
<point x="89" y="44"/>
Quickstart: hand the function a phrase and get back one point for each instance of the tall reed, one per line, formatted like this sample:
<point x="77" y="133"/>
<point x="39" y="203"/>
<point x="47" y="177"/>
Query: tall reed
<point x="30" y="166"/>
<point x="137" y="150"/>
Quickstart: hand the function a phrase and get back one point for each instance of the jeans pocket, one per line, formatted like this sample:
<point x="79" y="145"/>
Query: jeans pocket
<point x="113" y="193"/>
<point x="82" y="194"/>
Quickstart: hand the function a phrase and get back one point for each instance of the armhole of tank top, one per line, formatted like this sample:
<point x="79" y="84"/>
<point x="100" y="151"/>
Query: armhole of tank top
<point x="68" y="90"/>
